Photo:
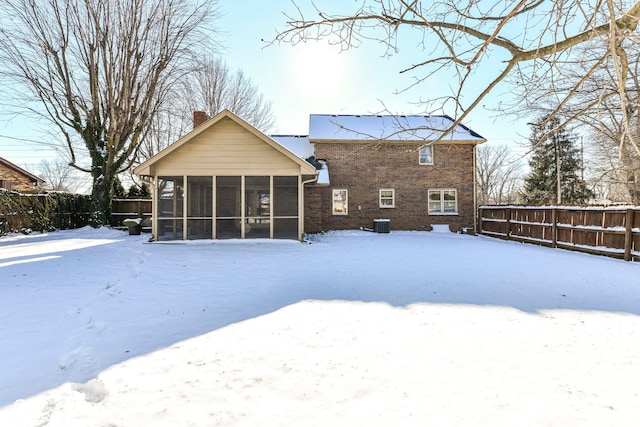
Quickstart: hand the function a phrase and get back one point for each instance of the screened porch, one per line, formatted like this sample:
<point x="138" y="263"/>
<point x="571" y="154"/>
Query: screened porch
<point x="228" y="207"/>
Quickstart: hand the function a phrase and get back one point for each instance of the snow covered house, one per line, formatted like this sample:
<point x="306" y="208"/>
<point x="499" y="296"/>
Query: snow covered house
<point x="226" y="179"/>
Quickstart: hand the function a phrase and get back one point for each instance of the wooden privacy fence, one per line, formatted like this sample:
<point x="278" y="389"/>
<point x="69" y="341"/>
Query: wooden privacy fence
<point x="599" y="230"/>
<point x="122" y="209"/>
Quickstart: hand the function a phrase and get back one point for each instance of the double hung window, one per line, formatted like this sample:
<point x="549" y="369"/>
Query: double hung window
<point x="340" y="205"/>
<point x="387" y="198"/>
<point x="443" y="202"/>
<point x="426" y="155"/>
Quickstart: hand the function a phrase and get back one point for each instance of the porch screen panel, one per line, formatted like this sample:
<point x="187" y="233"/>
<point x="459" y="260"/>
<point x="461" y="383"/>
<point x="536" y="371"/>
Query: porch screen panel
<point x="199" y="207"/>
<point x="285" y="196"/>
<point x="285" y="207"/>
<point x="285" y="228"/>
<point x="257" y="207"/>
<point x="228" y="207"/>
<point x="170" y="207"/>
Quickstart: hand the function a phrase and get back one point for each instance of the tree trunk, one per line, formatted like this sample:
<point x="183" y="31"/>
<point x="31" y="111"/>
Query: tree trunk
<point x="101" y="195"/>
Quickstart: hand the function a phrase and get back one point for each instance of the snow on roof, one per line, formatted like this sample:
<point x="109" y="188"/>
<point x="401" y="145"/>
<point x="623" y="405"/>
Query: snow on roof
<point x="323" y="174"/>
<point x="301" y="147"/>
<point x="297" y="144"/>
<point x="389" y="127"/>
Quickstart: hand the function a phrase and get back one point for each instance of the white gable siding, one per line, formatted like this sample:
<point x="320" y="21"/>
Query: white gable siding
<point x="226" y="149"/>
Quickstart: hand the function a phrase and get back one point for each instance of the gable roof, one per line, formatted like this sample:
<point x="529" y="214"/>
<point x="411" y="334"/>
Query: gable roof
<point x="18" y="169"/>
<point x="331" y="127"/>
<point x="145" y="167"/>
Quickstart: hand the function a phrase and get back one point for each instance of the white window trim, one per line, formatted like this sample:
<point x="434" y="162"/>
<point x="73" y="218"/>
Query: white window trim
<point x="442" y="190"/>
<point x="393" y="198"/>
<point x="420" y="157"/>
<point x="346" y="201"/>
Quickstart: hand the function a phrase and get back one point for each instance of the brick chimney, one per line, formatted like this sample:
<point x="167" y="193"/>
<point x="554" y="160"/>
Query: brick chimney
<point x="199" y="117"/>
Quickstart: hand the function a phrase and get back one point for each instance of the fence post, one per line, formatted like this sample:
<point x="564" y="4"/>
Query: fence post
<point x="554" y="227"/>
<point x="628" y="234"/>
<point x="508" y="218"/>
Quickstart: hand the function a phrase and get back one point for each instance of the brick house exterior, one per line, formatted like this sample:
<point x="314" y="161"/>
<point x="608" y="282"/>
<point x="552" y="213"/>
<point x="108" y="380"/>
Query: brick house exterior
<point x="365" y="169"/>
<point x="15" y="178"/>
<point x="226" y="179"/>
<point x="372" y="157"/>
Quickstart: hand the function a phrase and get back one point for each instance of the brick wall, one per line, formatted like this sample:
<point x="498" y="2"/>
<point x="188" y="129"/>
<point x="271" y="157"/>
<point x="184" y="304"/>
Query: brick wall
<point x="365" y="168"/>
<point x="13" y="180"/>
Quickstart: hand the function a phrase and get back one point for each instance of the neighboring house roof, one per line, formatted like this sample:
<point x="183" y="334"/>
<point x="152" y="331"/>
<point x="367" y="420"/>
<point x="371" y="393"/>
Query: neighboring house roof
<point x="331" y="127"/>
<point x="18" y="169"/>
<point x="145" y="167"/>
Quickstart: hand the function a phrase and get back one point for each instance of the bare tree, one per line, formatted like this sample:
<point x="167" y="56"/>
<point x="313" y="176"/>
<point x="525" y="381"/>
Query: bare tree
<point x="167" y="126"/>
<point x="615" y="178"/>
<point x="210" y="86"/>
<point x="615" y="165"/>
<point x="498" y="175"/>
<point x="535" y="44"/>
<point x="58" y="176"/>
<point x="615" y="169"/>
<point x="99" y="72"/>
<point x="215" y="88"/>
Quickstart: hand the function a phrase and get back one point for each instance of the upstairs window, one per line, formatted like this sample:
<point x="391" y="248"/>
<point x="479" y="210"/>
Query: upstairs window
<point x="443" y="202"/>
<point x="426" y="155"/>
<point x="340" y="202"/>
<point x="387" y="198"/>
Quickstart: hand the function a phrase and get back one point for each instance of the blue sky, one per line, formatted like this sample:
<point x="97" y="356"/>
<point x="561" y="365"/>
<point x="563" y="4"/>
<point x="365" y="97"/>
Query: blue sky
<point x="309" y="78"/>
<point x="317" y="78"/>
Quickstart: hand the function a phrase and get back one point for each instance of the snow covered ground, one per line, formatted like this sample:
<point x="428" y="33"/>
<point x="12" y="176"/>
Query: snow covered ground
<point x="98" y="328"/>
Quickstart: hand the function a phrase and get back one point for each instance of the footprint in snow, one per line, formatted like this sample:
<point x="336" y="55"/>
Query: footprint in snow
<point x="94" y="390"/>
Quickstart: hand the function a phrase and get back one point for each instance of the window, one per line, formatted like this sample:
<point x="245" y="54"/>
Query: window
<point x="426" y="155"/>
<point x="340" y="202"/>
<point x="387" y="198"/>
<point x="443" y="202"/>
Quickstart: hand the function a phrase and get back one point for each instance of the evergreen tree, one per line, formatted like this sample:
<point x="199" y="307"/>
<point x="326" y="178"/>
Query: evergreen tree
<point x="139" y="191"/>
<point x="134" y="192"/>
<point x="557" y="151"/>
<point x="145" y="192"/>
<point x="118" y="189"/>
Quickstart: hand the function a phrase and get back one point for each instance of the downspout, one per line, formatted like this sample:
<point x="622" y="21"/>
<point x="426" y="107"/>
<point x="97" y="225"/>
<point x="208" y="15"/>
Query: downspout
<point x="151" y="180"/>
<point x="301" y="210"/>
<point x="475" y="192"/>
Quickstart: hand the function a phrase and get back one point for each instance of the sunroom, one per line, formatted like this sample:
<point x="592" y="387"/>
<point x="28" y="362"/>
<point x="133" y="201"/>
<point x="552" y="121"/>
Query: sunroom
<point x="227" y="180"/>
